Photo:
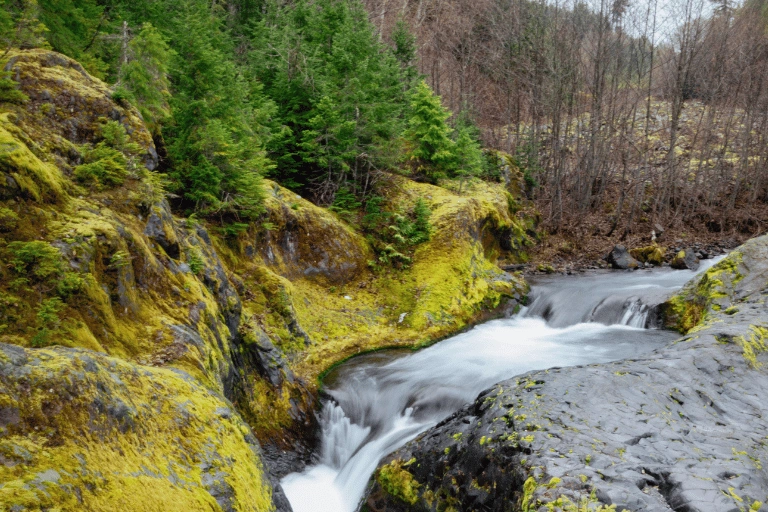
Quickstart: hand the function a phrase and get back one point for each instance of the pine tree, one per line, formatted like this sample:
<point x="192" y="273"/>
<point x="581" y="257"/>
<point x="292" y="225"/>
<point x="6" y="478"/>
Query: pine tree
<point x="144" y="77"/>
<point x="470" y="160"/>
<point x="431" y="150"/>
<point x="323" y="53"/>
<point x="405" y="52"/>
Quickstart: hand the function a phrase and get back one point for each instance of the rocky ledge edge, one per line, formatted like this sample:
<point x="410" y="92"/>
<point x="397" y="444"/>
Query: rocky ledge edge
<point x="684" y="428"/>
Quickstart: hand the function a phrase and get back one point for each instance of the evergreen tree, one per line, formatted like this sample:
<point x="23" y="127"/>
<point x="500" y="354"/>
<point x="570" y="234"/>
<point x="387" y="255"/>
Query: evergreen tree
<point x="470" y="161"/>
<point x="431" y="150"/>
<point x="20" y="25"/>
<point x="405" y="52"/>
<point x="144" y="78"/>
<point x="338" y="90"/>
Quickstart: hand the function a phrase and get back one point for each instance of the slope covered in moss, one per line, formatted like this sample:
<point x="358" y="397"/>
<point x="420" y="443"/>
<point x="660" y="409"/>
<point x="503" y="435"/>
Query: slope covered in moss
<point x="144" y="354"/>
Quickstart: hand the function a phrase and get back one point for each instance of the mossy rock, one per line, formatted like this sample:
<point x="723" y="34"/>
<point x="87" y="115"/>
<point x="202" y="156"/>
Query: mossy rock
<point x="653" y="254"/>
<point x="82" y="431"/>
<point x="67" y="105"/>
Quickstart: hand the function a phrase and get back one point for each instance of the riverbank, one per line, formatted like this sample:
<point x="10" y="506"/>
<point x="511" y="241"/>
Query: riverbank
<point x="681" y="429"/>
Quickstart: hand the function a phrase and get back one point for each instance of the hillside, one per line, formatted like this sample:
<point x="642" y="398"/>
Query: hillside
<point x="144" y="354"/>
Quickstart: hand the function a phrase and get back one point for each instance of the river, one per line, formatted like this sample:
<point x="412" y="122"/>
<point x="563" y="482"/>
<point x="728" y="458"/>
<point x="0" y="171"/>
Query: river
<point x="383" y="400"/>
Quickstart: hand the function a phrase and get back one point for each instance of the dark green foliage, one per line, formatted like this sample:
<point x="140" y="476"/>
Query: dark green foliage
<point x="528" y="160"/>
<point x="470" y="161"/>
<point x="304" y="91"/>
<point x="405" y="52"/>
<point x="39" y="264"/>
<point x="345" y="204"/>
<point x="338" y="91"/>
<point x="19" y="24"/>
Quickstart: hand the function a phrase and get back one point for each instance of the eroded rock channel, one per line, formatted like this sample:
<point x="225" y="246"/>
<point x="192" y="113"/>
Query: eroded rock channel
<point x="475" y="459"/>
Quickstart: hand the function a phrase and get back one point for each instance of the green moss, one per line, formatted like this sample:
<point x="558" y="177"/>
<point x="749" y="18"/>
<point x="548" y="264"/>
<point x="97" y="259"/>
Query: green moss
<point x="149" y="449"/>
<point x="653" y="254"/>
<point x="688" y="309"/>
<point x="39" y="180"/>
<point x="753" y="344"/>
<point x="398" y="481"/>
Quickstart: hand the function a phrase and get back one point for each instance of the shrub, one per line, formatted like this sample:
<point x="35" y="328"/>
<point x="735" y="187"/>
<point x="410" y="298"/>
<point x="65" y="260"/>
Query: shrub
<point x="69" y="284"/>
<point x="105" y="166"/>
<point x="9" y="92"/>
<point x="8" y="220"/>
<point x="195" y="260"/>
<point x="36" y="259"/>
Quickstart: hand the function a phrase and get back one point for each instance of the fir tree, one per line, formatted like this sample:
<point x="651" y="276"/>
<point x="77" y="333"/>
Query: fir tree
<point x="431" y="150"/>
<point x="144" y="78"/>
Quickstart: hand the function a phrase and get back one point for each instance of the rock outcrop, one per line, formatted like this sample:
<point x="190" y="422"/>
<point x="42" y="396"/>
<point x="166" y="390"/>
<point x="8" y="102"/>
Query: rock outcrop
<point x="682" y="429"/>
<point x="127" y="333"/>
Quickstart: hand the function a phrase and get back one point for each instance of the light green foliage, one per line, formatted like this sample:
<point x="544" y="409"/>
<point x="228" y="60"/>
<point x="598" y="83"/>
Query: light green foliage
<point x="398" y="481"/>
<point x="108" y="163"/>
<point x="9" y="89"/>
<point x="37" y="260"/>
<point x="195" y="260"/>
<point x="47" y="320"/>
<point x="104" y="167"/>
<point x="430" y="148"/>
<point x="8" y="219"/>
<point x="40" y="277"/>
<point x="144" y="78"/>
<point x="396" y="234"/>
<point x="120" y="259"/>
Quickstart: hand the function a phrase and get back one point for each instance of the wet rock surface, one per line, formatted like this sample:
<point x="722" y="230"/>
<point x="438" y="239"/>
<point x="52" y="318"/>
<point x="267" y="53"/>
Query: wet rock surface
<point x="619" y="258"/>
<point x="685" y="259"/>
<point x="682" y="429"/>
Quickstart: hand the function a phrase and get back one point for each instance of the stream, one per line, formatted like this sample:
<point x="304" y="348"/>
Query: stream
<point x="383" y="400"/>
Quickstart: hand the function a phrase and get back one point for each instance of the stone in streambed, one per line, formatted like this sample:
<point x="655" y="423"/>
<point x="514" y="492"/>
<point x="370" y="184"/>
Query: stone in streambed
<point x="619" y="258"/>
<point x="685" y="259"/>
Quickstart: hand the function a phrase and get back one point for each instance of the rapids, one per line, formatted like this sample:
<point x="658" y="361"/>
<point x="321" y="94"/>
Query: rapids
<point x="380" y="401"/>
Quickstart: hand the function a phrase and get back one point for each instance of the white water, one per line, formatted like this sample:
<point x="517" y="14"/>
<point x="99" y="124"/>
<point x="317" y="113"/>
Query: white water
<point x="384" y="400"/>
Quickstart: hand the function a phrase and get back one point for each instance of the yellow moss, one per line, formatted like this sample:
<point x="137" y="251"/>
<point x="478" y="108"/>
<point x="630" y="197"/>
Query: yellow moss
<point x="451" y="282"/>
<point x="40" y="180"/>
<point x="753" y="344"/>
<point x="398" y="481"/>
<point x="149" y="455"/>
<point x="653" y="254"/>
<point x="688" y="309"/>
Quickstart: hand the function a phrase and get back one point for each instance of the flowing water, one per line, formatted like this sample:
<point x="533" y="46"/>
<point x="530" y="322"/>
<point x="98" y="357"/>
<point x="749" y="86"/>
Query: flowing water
<point x="383" y="400"/>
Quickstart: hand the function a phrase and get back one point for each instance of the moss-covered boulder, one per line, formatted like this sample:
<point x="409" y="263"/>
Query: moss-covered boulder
<point x="82" y="431"/>
<point x="301" y="240"/>
<point x="653" y="254"/>
<point x="67" y="106"/>
<point x="685" y="259"/>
